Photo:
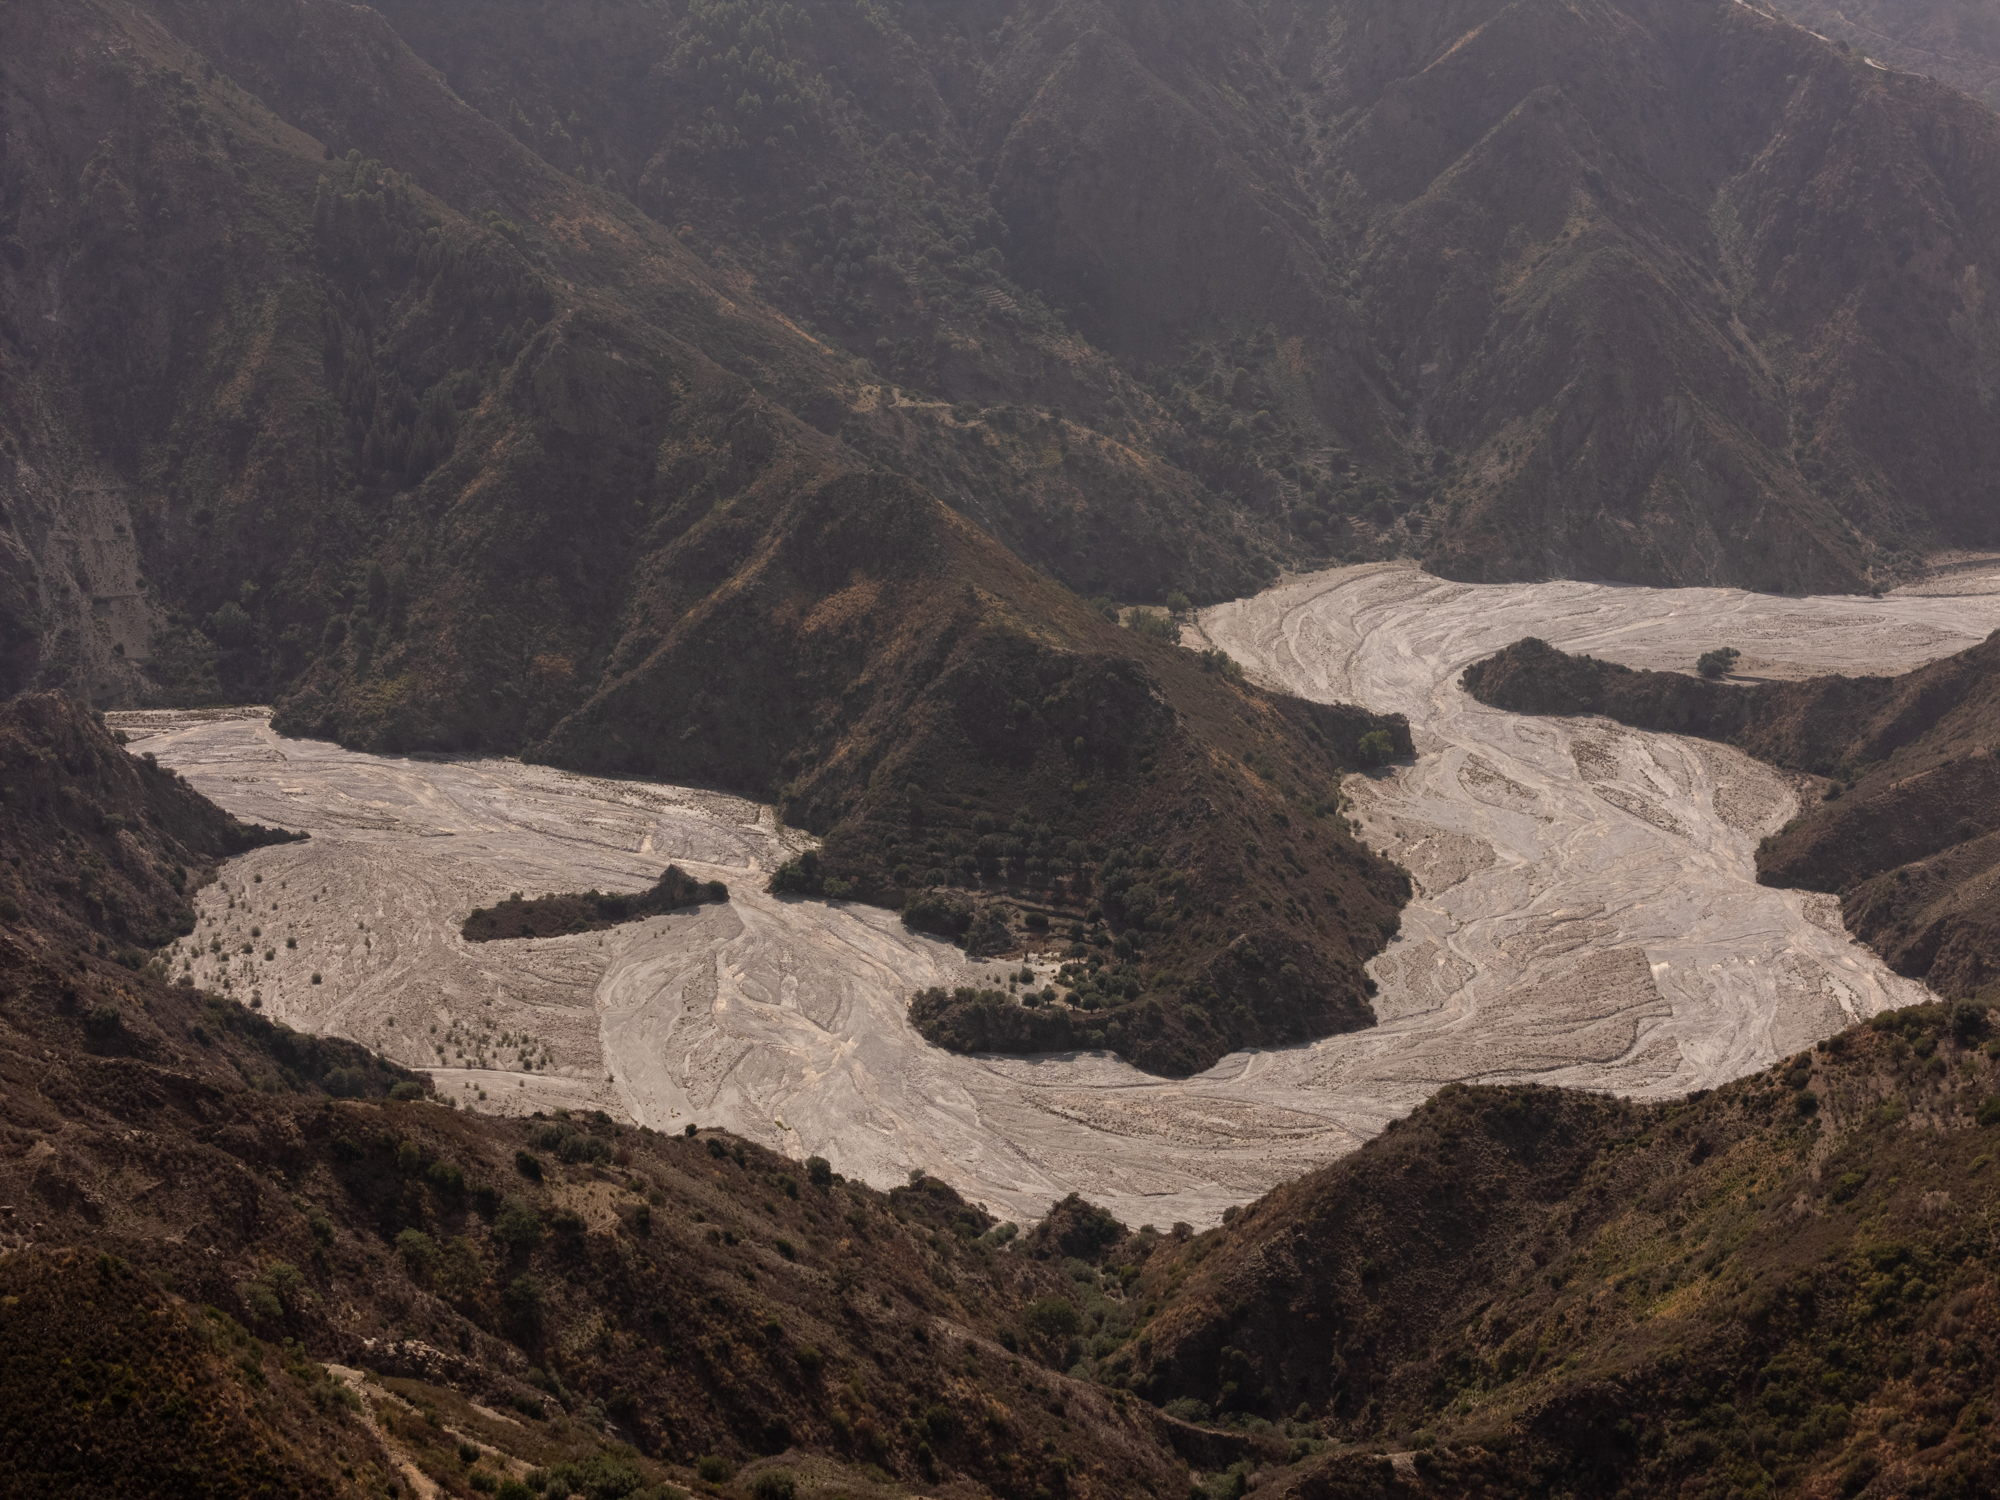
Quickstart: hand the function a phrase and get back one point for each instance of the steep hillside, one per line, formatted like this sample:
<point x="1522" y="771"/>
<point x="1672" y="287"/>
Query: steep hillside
<point x="230" y="1266"/>
<point x="311" y="340"/>
<point x="1611" y="290"/>
<point x="1955" y="41"/>
<point x="1785" y="1285"/>
<point x="1909" y="832"/>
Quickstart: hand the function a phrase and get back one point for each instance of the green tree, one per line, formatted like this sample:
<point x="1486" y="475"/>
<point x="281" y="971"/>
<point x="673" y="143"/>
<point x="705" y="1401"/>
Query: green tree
<point x="419" y="1253"/>
<point x="1052" y="1318"/>
<point x="1719" y="662"/>
<point x="518" y="1226"/>
<point x="1376" y="748"/>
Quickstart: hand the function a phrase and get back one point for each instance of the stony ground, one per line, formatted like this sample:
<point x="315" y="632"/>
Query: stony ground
<point x="1587" y="914"/>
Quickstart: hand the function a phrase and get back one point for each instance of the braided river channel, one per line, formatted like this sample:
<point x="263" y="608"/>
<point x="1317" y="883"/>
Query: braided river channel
<point x="1586" y="914"/>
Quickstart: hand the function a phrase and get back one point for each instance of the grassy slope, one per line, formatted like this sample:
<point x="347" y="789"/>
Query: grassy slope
<point x="1907" y="835"/>
<point x="1784" y="1285"/>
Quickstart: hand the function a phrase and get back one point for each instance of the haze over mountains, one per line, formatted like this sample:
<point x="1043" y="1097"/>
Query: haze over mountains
<point x="853" y="404"/>
<point x="1956" y="41"/>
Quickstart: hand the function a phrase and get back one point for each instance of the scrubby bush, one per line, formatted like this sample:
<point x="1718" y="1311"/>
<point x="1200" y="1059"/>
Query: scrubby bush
<point x="1717" y="663"/>
<point x="418" y="1251"/>
<point x="819" y="1171"/>
<point x="524" y="1301"/>
<point x="930" y="912"/>
<point x="715" y="1469"/>
<point x="517" y="1225"/>
<point x="1223" y="664"/>
<point x="1154" y="626"/>
<point x="1376" y="748"/>
<point x="1052" y="1318"/>
<point x="568" y="1144"/>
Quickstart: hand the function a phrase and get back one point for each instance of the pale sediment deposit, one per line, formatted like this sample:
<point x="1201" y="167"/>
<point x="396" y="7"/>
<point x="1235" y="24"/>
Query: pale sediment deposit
<point x="1586" y="913"/>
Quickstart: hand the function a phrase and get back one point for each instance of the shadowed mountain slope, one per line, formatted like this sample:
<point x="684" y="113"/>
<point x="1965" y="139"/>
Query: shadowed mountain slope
<point x="1785" y="1283"/>
<point x="1636" y="290"/>
<point x="450" y="449"/>
<point x="1156" y="296"/>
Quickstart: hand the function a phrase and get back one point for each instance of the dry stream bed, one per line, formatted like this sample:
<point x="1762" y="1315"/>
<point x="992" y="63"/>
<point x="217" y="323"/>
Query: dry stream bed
<point x="1587" y="914"/>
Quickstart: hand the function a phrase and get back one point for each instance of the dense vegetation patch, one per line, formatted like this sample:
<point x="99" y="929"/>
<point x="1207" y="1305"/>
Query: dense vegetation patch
<point x="588" y="911"/>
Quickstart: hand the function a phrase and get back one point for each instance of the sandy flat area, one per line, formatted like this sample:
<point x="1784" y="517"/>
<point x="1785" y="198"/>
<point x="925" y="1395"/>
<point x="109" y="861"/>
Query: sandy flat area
<point x="1587" y="914"/>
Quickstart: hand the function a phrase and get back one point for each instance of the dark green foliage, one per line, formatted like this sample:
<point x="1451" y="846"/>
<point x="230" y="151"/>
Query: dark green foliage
<point x="517" y="1225"/>
<point x="524" y="1300"/>
<point x="1719" y="662"/>
<point x="1376" y="748"/>
<point x="568" y="1144"/>
<point x="593" y="911"/>
<point x="1052" y="1318"/>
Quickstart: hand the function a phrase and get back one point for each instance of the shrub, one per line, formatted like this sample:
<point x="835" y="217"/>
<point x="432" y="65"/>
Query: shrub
<point x="1223" y="663"/>
<point x="809" y="1358"/>
<point x="468" y="1453"/>
<point x="1717" y="663"/>
<point x="418" y="1251"/>
<point x="524" y="1300"/>
<point x="689" y="1129"/>
<point x="819" y="1171"/>
<point x="513" y="1489"/>
<point x="1989" y="1111"/>
<point x="715" y="1470"/>
<point x="775" y="1484"/>
<point x="929" y="912"/>
<point x="1376" y="748"/>
<point x="448" y="1178"/>
<point x="1052" y="1318"/>
<point x="518" y="1226"/>
<point x="104" y="1023"/>
<point x="528" y="1165"/>
<point x="407" y="1090"/>
<point x="1154" y="626"/>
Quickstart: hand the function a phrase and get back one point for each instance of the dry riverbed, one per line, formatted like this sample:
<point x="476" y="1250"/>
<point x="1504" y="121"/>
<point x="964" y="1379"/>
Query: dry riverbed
<point x="1587" y="913"/>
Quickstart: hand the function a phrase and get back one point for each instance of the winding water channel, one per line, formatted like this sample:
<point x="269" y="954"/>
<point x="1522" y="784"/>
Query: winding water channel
<point x="1587" y="913"/>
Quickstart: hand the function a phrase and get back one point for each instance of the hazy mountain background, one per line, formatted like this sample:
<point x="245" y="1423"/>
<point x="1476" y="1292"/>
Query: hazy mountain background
<point x="1955" y="41"/>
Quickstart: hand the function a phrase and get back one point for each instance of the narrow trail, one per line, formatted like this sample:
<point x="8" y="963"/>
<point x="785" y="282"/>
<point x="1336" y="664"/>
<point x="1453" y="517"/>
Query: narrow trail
<point x="1587" y="913"/>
